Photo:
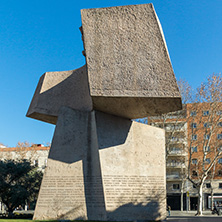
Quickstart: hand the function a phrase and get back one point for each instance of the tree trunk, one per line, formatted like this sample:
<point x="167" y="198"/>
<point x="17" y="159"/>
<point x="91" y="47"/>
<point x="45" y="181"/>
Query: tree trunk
<point x="181" y="201"/>
<point x="181" y="196"/>
<point x="212" y="199"/>
<point x="200" y="200"/>
<point x="10" y="213"/>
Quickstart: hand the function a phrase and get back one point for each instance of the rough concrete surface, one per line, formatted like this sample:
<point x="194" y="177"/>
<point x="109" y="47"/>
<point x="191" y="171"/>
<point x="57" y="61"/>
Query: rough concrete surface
<point x="56" y="89"/>
<point x="135" y="107"/>
<point x="128" y="71"/>
<point x="72" y="183"/>
<point x="103" y="167"/>
<point x="126" y="55"/>
<point x="132" y="159"/>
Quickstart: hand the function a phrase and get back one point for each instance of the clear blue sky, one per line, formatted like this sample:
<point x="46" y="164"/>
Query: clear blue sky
<point x="43" y="35"/>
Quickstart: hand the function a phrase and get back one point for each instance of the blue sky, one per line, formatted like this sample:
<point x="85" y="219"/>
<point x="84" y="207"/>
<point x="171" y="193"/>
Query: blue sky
<point x="43" y="35"/>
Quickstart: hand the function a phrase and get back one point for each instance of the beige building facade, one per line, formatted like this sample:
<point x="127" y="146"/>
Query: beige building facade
<point x="37" y="154"/>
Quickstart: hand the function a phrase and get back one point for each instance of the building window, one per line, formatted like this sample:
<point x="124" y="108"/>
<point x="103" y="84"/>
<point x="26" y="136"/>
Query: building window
<point x="194" y="173"/>
<point x="207" y="125"/>
<point x="207" y="136"/>
<point x="219" y="173"/>
<point x="36" y="163"/>
<point x="219" y="136"/>
<point x="208" y="185"/>
<point x="220" y="185"/>
<point x="207" y="160"/>
<point x="219" y="149"/>
<point x="45" y="164"/>
<point x="193" y="113"/>
<point x="178" y="127"/>
<point x="194" y="161"/>
<point x="175" y="150"/>
<point x="206" y="148"/>
<point x="206" y="113"/>
<point x="220" y="124"/>
<point x="219" y="112"/>
<point x="193" y="125"/>
<point x="176" y="186"/>
<point x="194" y="137"/>
<point x="174" y="139"/>
<point x="220" y="160"/>
<point x="194" y="149"/>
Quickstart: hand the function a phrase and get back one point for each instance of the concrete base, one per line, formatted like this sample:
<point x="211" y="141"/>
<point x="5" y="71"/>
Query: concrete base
<point x="103" y="167"/>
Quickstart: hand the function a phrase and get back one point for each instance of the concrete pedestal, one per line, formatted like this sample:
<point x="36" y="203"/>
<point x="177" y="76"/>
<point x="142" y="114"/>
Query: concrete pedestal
<point x="103" y="167"/>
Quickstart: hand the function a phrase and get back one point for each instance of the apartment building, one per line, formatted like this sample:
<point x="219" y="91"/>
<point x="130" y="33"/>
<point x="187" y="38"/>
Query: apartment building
<point x="175" y="126"/>
<point x="204" y="143"/>
<point x="193" y="136"/>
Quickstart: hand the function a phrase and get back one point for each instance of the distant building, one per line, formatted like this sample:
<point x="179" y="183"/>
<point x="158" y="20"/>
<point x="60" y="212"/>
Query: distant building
<point x="189" y="131"/>
<point x="37" y="153"/>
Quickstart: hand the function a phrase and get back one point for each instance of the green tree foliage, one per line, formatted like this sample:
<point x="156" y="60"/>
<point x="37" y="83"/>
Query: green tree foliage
<point x="19" y="183"/>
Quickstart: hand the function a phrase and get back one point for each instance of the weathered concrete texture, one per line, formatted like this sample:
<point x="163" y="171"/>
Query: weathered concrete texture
<point x="126" y="56"/>
<point x="135" y="107"/>
<point x="103" y="167"/>
<point x="133" y="170"/>
<point x="56" y="89"/>
<point x="72" y="183"/>
<point x="128" y="74"/>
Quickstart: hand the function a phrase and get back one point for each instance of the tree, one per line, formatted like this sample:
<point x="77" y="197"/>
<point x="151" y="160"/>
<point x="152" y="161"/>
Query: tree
<point x="19" y="182"/>
<point x="205" y="116"/>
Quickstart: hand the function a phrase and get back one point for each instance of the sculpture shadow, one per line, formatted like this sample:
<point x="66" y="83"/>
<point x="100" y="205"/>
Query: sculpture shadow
<point x="111" y="130"/>
<point x="131" y="211"/>
<point x="150" y="211"/>
<point x="151" y="208"/>
<point x="57" y="89"/>
<point x="77" y="132"/>
<point x="78" y="137"/>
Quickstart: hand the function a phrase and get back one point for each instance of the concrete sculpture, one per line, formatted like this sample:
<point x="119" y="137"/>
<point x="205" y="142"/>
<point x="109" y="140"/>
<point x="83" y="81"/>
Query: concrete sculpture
<point x="102" y="165"/>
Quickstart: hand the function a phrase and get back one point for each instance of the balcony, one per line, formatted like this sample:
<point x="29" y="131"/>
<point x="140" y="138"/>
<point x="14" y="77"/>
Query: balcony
<point x="175" y="165"/>
<point x="173" y="177"/>
<point x="177" y="140"/>
<point x="177" y="153"/>
<point x="175" y="129"/>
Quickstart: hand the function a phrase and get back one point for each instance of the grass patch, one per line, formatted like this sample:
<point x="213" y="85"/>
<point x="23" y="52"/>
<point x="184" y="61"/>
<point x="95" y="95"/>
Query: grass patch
<point x="26" y="220"/>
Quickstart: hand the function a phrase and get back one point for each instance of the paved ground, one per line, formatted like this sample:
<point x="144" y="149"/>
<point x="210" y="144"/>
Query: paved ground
<point x="190" y="216"/>
<point x="183" y="216"/>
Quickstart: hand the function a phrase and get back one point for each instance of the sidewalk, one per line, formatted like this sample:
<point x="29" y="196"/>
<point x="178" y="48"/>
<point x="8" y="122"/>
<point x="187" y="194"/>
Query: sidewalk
<point x="176" y="213"/>
<point x="184" y="216"/>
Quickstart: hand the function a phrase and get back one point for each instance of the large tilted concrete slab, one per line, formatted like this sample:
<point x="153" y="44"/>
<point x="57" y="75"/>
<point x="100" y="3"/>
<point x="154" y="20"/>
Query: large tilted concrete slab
<point x="103" y="167"/>
<point x="57" y="89"/>
<point x="128" y="71"/>
<point x="128" y="63"/>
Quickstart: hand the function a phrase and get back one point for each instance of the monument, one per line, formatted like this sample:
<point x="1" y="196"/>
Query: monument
<point x="101" y="165"/>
